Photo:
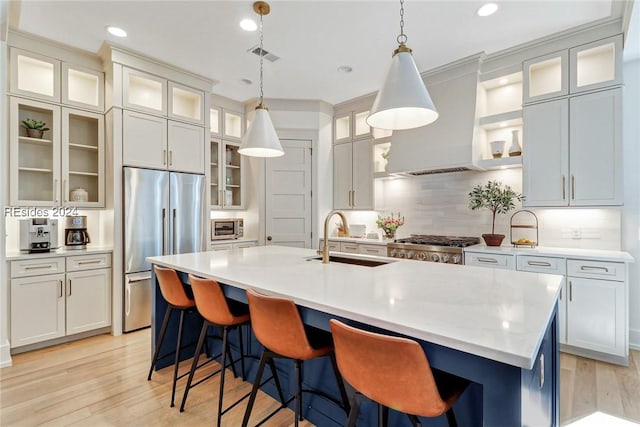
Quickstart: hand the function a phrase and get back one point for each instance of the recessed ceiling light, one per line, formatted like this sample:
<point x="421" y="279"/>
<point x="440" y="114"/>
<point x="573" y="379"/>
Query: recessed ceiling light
<point x="345" y="69"/>
<point x="504" y="81"/>
<point x="487" y="9"/>
<point x="115" y="31"/>
<point x="248" y="25"/>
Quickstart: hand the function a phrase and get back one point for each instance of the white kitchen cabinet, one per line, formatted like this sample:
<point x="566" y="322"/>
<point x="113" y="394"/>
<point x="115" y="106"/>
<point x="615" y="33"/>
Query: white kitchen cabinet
<point x="332" y="245"/>
<point x="185" y="103"/>
<point x="232" y="125"/>
<point x="70" y="155"/>
<point x="185" y="145"/>
<point x="353" y="175"/>
<point x="232" y="244"/>
<point x="596" y="65"/>
<point x="88" y="300"/>
<point x="144" y="92"/>
<point x="227" y="174"/>
<point x="349" y="247"/>
<point x="154" y="142"/>
<point x="490" y="259"/>
<point x="37" y="309"/>
<point x="596" y="315"/>
<point x="45" y="306"/>
<point x="82" y="87"/>
<point x="35" y="75"/>
<point x="546" y="76"/>
<point x="144" y="140"/>
<point x="376" y="250"/>
<point x="574" y="151"/>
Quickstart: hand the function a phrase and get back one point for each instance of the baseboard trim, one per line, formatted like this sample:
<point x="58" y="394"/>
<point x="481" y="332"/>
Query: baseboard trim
<point x="61" y="340"/>
<point x="5" y="355"/>
<point x="634" y="339"/>
<point x="604" y="357"/>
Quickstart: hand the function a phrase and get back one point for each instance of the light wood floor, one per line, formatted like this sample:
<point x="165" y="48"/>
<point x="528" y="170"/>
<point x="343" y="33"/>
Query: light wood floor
<point x="101" y="381"/>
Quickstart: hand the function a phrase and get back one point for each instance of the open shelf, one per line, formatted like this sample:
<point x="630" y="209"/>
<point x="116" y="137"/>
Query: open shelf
<point x="39" y="141"/>
<point x="502" y="120"/>
<point x="500" y="163"/>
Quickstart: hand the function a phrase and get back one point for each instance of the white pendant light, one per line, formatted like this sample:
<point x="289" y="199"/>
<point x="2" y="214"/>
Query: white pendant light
<point x="403" y="102"/>
<point x="261" y="139"/>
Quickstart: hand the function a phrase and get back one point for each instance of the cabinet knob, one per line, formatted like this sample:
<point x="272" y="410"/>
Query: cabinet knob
<point x="269" y="238"/>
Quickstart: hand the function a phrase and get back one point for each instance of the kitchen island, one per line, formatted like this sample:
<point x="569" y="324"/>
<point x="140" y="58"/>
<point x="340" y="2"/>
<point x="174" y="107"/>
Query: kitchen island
<point x="496" y="328"/>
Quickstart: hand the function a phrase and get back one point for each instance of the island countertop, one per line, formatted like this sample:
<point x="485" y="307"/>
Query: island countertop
<point x="501" y="315"/>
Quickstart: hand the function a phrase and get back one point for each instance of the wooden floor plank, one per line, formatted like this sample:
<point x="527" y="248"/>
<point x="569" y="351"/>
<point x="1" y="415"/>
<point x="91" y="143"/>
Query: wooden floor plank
<point x="102" y="381"/>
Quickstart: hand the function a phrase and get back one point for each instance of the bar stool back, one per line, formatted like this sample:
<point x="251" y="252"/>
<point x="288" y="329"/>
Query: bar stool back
<point x="395" y="373"/>
<point x="278" y="326"/>
<point x="173" y="292"/>
<point x="214" y="307"/>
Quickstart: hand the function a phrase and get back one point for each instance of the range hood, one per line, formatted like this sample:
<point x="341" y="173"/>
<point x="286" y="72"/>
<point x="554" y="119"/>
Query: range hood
<point x="448" y="144"/>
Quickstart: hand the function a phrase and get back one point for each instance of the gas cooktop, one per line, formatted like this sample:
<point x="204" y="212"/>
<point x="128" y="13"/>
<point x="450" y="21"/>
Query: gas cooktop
<point x="449" y="241"/>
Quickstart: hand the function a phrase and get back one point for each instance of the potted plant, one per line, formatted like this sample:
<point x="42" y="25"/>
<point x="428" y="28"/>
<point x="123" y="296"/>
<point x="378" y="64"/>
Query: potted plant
<point x="498" y="199"/>
<point x="35" y="128"/>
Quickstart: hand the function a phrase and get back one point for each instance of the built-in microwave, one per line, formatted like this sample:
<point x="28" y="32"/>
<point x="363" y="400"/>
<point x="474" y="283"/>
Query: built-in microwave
<point x="227" y="228"/>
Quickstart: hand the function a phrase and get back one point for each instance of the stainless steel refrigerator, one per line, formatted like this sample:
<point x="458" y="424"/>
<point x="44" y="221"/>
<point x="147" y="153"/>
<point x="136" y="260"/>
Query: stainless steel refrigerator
<point x="164" y="213"/>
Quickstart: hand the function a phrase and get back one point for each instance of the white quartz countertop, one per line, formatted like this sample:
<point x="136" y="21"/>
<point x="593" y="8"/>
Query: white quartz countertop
<point x="498" y="314"/>
<point x="14" y="255"/>
<point x="590" y="254"/>
<point x="362" y="240"/>
<point x="227" y="241"/>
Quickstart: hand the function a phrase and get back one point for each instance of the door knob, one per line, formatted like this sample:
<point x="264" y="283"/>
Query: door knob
<point x="269" y="238"/>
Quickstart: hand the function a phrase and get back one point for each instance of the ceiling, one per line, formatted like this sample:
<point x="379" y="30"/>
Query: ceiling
<point x="312" y="38"/>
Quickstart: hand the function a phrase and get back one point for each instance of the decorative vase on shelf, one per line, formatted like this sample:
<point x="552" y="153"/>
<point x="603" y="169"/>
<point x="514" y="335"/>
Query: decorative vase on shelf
<point x="515" y="149"/>
<point x="497" y="148"/>
<point x="389" y="233"/>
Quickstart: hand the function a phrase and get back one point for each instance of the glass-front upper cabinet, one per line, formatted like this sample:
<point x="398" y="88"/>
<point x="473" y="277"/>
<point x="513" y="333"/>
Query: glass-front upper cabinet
<point x="186" y="103"/>
<point x="35" y="75"/>
<point x="233" y="125"/>
<point x="214" y="121"/>
<point x="546" y="76"/>
<point x="342" y="127"/>
<point x="595" y="65"/>
<point x="144" y="92"/>
<point x="82" y="87"/>
<point x="227" y="175"/>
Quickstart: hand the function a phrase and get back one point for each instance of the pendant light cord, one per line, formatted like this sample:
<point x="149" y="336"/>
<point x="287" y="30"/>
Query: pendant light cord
<point x="402" y="38"/>
<point x="261" y="60"/>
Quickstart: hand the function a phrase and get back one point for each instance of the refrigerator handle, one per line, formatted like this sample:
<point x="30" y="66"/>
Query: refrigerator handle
<point x="164" y="231"/>
<point x="175" y="247"/>
<point x="128" y="309"/>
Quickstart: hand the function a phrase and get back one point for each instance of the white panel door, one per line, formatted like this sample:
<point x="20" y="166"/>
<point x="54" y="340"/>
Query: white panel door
<point x="596" y="315"/>
<point x="186" y="147"/>
<point x="88" y="300"/>
<point x="37" y="309"/>
<point x="596" y="148"/>
<point x="362" y="196"/>
<point x="545" y="163"/>
<point x="288" y="196"/>
<point x="144" y="140"/>
<point x="342" y="175"/>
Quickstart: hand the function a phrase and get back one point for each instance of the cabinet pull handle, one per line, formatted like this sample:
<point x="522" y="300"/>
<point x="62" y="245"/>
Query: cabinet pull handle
<point x="164" y="232"/>
<point x="539" y="263"/>
<point x="65" y="189"/>
<point x="353" y="199"/>
<point x="541" y="376"/>
<point x="570" y="291"/>
<point x="349" y="195"/>
<point x="55" y="188"/>
<point x="175" y="244"/>
<point x="164" y="157"/>
<point x="94" y="261"/>
<point x="60" y="296"/>
<point x="592" y="268"/>
<point x="573" y="187"/>
<point x="489" y="260"/>
<point x="170" y="157"/>
<point x="564" y="189"/>
<point x="69" y="287"/>
<point x="38" y="267"/>
<point x="221" y="198"/>
<point x="372" y="251"/>
<point x="560" y="294"/>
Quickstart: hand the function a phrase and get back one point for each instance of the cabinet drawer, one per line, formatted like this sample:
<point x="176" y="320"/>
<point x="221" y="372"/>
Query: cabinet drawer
<point x="541" y="264"/>
<point x="505" y="262"/>
<point x="332" y="245"/>
<point x="351" y="248"/>
<point x="596" y="269"/>
<point x="37" y="267"/>
<point x="88" y="262"/>
<point x="378" y="250"/>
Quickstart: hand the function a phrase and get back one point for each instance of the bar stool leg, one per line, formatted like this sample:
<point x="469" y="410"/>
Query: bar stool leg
<point x="340" y="381"/>
<point x="194" y="364"/>
<point x="177" y="360"/>
<point x="274" y="372"/>
<point x="254" y="389"/>
<point x="383" y="415"/>
<point x="225" y="343"/>
<point x="353" y="413"/>
<point x="298" y="368"/>
<point x="163" y="331"/>
<point x="415" y="421"/>
<point x="451" y="418"/>
<point x="244" y="374"/>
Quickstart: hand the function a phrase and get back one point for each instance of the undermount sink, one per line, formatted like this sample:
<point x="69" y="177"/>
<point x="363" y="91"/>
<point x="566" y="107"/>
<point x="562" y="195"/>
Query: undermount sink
<point x="365" y="262"/>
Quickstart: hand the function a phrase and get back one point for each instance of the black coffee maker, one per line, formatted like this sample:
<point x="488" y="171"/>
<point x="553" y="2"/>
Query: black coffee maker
<point x="75" y="234"/>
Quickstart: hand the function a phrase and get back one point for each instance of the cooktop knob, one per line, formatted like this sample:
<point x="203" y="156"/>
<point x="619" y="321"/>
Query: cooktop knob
<point x="420" y="256"/>
<point x="409" y="254"/>
<point x="393" y="253"/>
<point x="456" y="259"/>
<point x="435" y="258"/>
<point x="401" y="254"/>
<point x="445" y="258"/>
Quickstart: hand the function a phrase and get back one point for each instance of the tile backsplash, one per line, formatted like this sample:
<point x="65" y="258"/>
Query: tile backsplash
<point x="438" y="204"/>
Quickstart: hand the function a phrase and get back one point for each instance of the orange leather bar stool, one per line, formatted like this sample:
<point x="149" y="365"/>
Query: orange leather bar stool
<point x="177" y="299"/>
<point x="395" y="373"/>
<point x="217" y="311"/>
<point x="278" y="326"/>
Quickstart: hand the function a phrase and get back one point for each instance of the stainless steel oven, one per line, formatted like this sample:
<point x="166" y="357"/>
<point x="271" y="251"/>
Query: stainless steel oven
<point x="227" y="228"/>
